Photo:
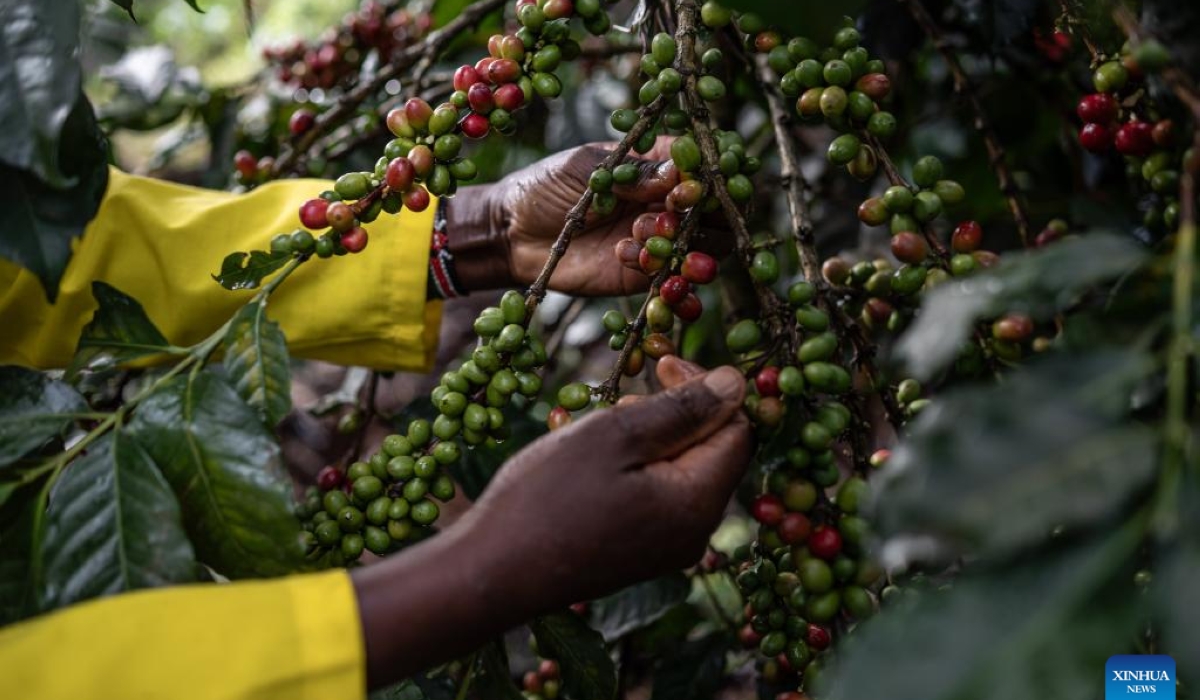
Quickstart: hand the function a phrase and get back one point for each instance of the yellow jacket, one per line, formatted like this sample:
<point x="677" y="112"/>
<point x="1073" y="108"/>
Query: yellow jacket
<point x="296" y="638"/>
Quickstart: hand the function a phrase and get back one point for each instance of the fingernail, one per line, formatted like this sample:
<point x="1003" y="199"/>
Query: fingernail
<point x="726" y="383"/>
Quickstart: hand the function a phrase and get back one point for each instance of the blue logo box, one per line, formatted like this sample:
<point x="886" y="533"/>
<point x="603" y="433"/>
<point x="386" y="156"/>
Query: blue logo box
<point x="1134" y="676"/>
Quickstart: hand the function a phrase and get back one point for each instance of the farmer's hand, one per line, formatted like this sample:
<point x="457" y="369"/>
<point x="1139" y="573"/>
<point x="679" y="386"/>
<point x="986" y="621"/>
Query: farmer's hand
<point x="500" y="234"/>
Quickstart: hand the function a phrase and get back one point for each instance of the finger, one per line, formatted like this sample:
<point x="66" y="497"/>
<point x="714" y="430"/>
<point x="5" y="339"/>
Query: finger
<point x="656" y="179"/>
<point x="666" y="424"/>
<point x="629" y="399"/>
<point x="673" y="371"/>
<point x="711" y="469"/>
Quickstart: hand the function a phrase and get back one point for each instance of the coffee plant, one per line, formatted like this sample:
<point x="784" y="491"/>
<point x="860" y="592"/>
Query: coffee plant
<point x="951" y="245"/>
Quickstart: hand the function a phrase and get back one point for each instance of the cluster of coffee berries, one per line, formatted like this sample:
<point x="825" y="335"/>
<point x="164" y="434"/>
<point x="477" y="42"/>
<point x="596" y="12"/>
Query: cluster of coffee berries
<point x="1121" y="116"/>
<point x="385" y="501"/>
<point x="904" y="209"/>
<point x="249" y="170"/>
<point x="839" y="85"/>
<point x="542" y="683"/>
<point x="808" y="573"/>
<point x="381" y="503"/>
<point x="338" y="55"/>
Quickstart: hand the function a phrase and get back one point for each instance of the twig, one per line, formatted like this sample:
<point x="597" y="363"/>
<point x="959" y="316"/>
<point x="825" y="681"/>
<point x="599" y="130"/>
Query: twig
<point x="611" y="388"/>
<point x="577" y="217"/>
<point x="431" y="45"/>
<point x="770" y="303"/>
<point x="981" y="122"/>
<point x="1079" y="28"/>
<point x="894" y="177"/>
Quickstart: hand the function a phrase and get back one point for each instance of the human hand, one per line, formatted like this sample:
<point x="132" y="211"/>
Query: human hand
<point x="500" y="234"/>
<point x="626" y="494"/>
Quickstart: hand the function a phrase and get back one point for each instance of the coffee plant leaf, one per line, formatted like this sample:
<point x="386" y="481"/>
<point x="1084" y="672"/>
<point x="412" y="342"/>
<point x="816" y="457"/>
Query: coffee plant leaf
<point x="404" y="690"/>
<point x="495" y="680"/>
<point x="588" y="672"/>
<point x="638" y="606"/>
<point x="38" y="220"/>
<point x="20" y="527"/>
<point x="695" y="671"/>
<point x="1050" y="444"/>
<point x="814" y="19"/>
<point x="112" y="526"/>
<point x="119" y="331"/>
<point x="1038" y="283"/>
<point x="257" y="362"/>
<point x="40" y="80"/>
<point x="444" y="11"/>
<point x="34" y="409"/>
<point x="247" y="270"/>
<point x="126" y="5"/>
<point x="225" y="469"/>
<point x="1041" y="629"/>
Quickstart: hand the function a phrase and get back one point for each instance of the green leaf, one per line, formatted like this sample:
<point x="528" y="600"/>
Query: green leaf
<point x="1040" y="283"/>
<point x="224" y="467"/>
<point x="126" y="5"/>
<point x="247" y="270"/>
<point x="494" y="679"/>
<point x="993" y="471"/>
<point x="637" y="606"/>
<point x="119" y="331"/>
<point x="33" y="410"/>
<point x="1043" y="630"/>
<point x="20" y="525"/>
<point x="113" y="525"/>
<point x="587" y="670"/>
<point x="404" y="690"/>
<point x="38" y="220"/>
<point x="40" y="82"/>
<point x="815" y="19"/>
<point x="694" y="672"/>
<point x="256" y="358"/>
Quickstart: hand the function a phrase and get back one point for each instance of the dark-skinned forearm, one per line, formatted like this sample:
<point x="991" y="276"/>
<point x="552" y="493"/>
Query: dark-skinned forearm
<point x="432" y="603"/>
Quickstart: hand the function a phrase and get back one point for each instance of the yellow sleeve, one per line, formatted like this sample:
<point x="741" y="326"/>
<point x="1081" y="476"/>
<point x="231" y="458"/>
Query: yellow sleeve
<point x="296" y="638"/>
<point x="160" y="242"/>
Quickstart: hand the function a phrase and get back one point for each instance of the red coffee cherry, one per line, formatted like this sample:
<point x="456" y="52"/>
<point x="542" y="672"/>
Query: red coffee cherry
<point x="475" y="126"/>
<point x="880" y="457"/>
<point x="749" y="638"/>
<point x="825" y="542"/>
<point x="967" y="237"/>
<point x="1164" y="133"/>
<point x="504" y="70"/>
<point x="794" y="528"/>
<point x="340" y="216"/>
<point x="416" y="199"/>
<point x="418" y="112"/>
<point x="649" y="263"/>
<point x="699" y="268"/>
<point x="481" y="98"/>
<point x="910" y="247"/>
<point x="329" y="478"/>
<point x="400" y="174"/>
<point x="666" y="225"/>
<point x="532" y="683"/>
<point x="510" y="97"/>
<point x="245" y="163"/>
<point x="1096" y="138"/>
<point x="768" y="509"/>
<point x="355" y="240"/>
<point x="558" y="9"/>
<point x="674" y="290"/>
<point x="690" y="309"/>
<point x="1098" y="108"/>
<point x="767" y="381"/>
<point x="1135" y="139"/>
<point x="1013" y="328"/>
<point x="312" y="214"/>
<point x="548" y="670"/>
<point x="559" y="418"/>
<point x="465" y="77"/>
<point x="302" y="120"/>
<point x="877" y="86"/>
<point x="986" y="258"/>
<point x="818" y="637"/>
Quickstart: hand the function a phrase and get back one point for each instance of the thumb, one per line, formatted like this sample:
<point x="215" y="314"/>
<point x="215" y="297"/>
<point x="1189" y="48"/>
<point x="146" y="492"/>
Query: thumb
<point x="666" y="424"/>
